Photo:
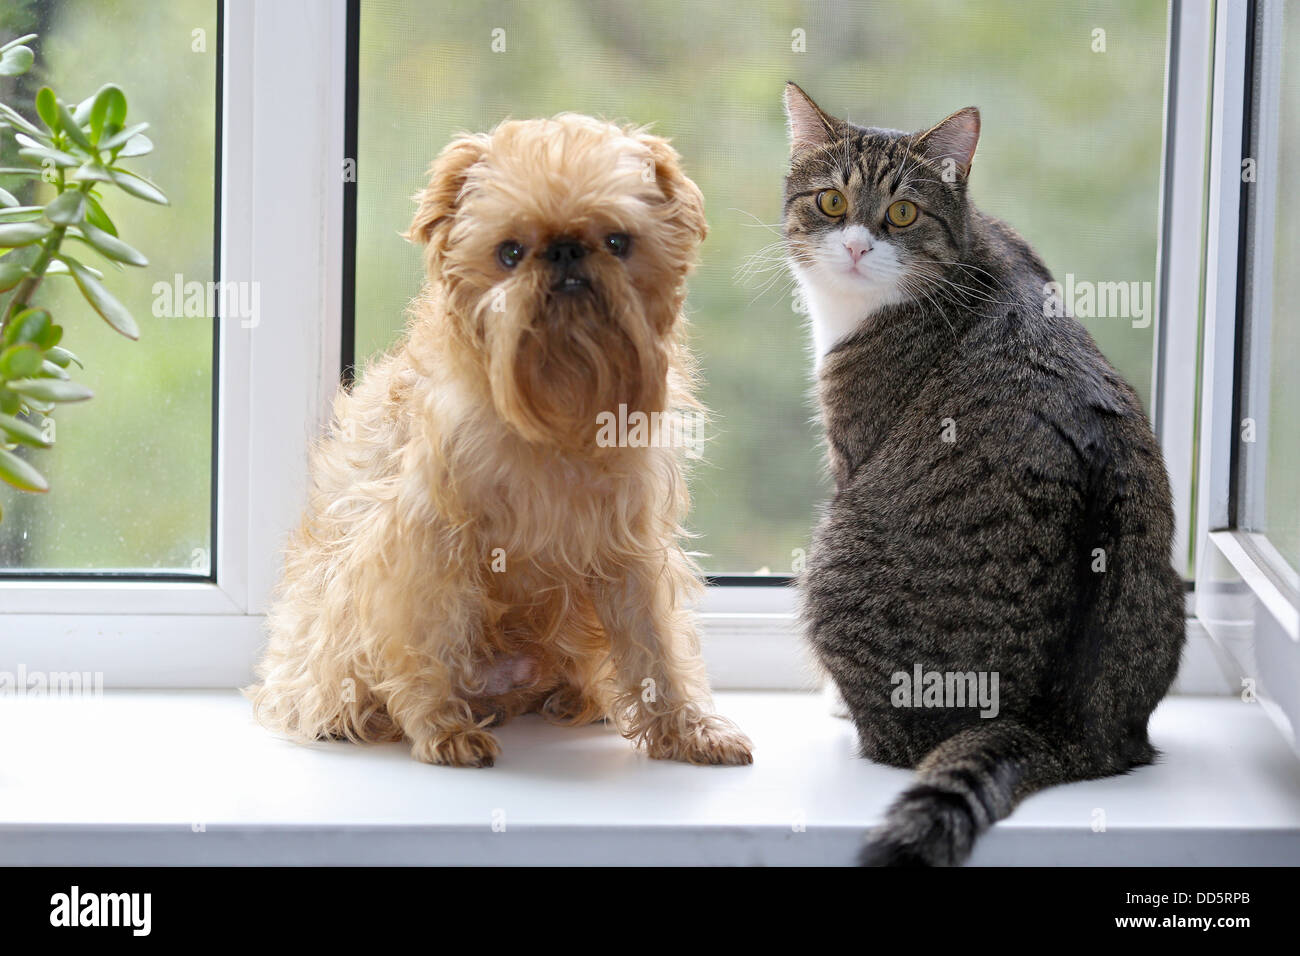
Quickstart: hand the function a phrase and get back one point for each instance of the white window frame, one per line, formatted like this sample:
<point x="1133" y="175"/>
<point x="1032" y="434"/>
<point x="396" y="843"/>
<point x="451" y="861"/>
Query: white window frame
<point x="1179" y="260"/>
<point x="1247" y="596"/>
<point x="281" y="227"/>
<point x="283" y="95"/>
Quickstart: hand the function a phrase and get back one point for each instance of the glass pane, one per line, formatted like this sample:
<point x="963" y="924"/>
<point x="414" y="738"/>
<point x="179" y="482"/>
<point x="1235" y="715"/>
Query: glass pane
<point x="1072" y="121"/>
<point x="1272" y="446"/>
<point x="131" y="470"/>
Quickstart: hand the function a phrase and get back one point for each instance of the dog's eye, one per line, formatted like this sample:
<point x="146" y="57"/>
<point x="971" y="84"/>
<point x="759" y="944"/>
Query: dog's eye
<point x="510" y="253"/>
<point x="619" y="243"/>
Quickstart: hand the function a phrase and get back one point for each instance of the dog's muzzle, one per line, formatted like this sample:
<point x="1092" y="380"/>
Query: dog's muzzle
<point x="565" y="257"/>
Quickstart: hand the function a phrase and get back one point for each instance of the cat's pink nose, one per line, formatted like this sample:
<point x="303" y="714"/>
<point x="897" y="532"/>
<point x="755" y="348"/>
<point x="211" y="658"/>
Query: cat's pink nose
<point x="857" y="248"/>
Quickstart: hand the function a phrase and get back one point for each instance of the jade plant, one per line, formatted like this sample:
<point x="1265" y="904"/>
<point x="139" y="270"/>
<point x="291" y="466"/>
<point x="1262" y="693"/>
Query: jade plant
<point x="77" y="150"/>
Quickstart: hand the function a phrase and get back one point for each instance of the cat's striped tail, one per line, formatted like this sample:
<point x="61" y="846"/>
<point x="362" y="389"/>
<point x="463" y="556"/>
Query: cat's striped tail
<point x="964" y="786"/>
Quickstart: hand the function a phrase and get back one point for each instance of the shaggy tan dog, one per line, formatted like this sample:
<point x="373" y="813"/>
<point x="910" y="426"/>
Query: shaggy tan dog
<point x="471" y="549"/>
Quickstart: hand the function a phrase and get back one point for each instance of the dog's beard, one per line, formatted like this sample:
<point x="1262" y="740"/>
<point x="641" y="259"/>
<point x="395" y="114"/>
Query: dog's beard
<point x="571" y="357"/>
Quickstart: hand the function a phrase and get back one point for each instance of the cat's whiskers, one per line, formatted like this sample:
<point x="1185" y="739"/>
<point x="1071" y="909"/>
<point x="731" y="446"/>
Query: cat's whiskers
<point x="774" y="261"/>
<point x="913" y="288"/>
<point x="771" y="255"/>
<point x="973" y="292"/>
<point x="772" y="227"/>
<point x="766" y="263"/>
<point x="962" y="265"/>
<point x="784" y="287"/>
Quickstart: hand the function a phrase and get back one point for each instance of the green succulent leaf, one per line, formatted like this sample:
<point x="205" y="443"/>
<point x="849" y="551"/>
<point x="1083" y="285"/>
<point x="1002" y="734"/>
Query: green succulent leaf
<point x="20" y="474"/>
<point x="111" y="246"/>
<point x="16" y="60"/>
<point x="81" y="112"/>
<point x="75" y="133"/>
<point x="58" y="157"/>
<point x="51" y="337"/>
<point x="51" y="390"/>
<point x="19" y="41"/>
<point x="113" y="103"/>
<point x="91" y="171"/>
<point x="102" y="301"/>
<point x="67" y="209"/>
<point x="39" y="141"/>
<point x="29" y="325"/>
<point x="25" y="172"/>
<point x="20" y="361"/>
<point x="22" y="433"/>
<point x="20" y="213"/>
<point x="59" y="269"/>
<point x="7" y="198"/>
<point x="62" y="357"/>
<point x="99" y="110"/>
<point x="15" y="119"/>
<point x="47" y="108"/>
<point x="121" y="138"/>
<point x="51" y="370"/>
<point x="136" y="146"/>
<point x="11" y="273"/>
<point x="15" y="234"/>
<point x="138" y="186"/>
<point x="96" y="216"/>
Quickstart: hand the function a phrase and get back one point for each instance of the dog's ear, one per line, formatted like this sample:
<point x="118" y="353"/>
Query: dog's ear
<point x="680" y="193"/>
<point x="437" y="202"/>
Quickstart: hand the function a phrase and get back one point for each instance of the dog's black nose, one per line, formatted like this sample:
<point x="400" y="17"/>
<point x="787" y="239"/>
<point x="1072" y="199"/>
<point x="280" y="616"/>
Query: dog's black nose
<point x="564" y="252"/>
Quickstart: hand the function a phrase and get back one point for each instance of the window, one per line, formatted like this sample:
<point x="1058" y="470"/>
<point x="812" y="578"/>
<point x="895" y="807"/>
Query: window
<point x="131" y="473"/>
<point x="1071" y="95"/>
<point x="1134" y="175"/>
<point x="1248" y="589"/>
<point x="1268" y="476"/>
<point x="274" y="375"/>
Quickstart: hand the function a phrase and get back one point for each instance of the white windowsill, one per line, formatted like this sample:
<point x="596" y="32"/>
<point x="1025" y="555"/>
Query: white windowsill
<point x="186" y="777"/>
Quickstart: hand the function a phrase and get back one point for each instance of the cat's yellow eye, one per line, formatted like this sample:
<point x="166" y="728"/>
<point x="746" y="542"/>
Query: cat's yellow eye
<point x="832" y="202"/>
<point x="901" y="213"/>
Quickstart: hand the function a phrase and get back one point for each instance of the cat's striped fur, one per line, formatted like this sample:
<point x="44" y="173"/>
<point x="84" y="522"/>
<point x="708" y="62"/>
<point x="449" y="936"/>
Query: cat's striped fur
<point x="1000" y="506"/>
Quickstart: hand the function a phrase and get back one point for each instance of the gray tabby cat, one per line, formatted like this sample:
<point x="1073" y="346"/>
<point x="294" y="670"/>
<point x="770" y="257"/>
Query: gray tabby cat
<point x="1001" y="517"/>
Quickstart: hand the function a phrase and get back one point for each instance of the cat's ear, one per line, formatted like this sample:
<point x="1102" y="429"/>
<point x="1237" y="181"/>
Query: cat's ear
<point x="954" y="140"/>
<point x="809" y="125"/>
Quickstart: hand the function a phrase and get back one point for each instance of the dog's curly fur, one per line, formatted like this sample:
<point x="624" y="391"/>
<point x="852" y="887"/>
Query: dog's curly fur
<point x="470" y="552"/>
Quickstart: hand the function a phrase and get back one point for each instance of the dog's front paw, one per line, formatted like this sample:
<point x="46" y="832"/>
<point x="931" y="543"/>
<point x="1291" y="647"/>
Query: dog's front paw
<point x="462" y="748"/>
<point x="706" y="739"/>
<point x="571" y="707"/>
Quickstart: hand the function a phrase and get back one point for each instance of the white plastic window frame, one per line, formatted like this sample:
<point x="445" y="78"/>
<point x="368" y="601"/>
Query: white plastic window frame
<point x="1247" y="596"/>
<point x="280" y="227"/>
<point x="283" y="96"/>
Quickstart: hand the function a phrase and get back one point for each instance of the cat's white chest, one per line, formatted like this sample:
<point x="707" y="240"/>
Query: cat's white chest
<point x="843" y="286"/>
<point x="835" y="314"/>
